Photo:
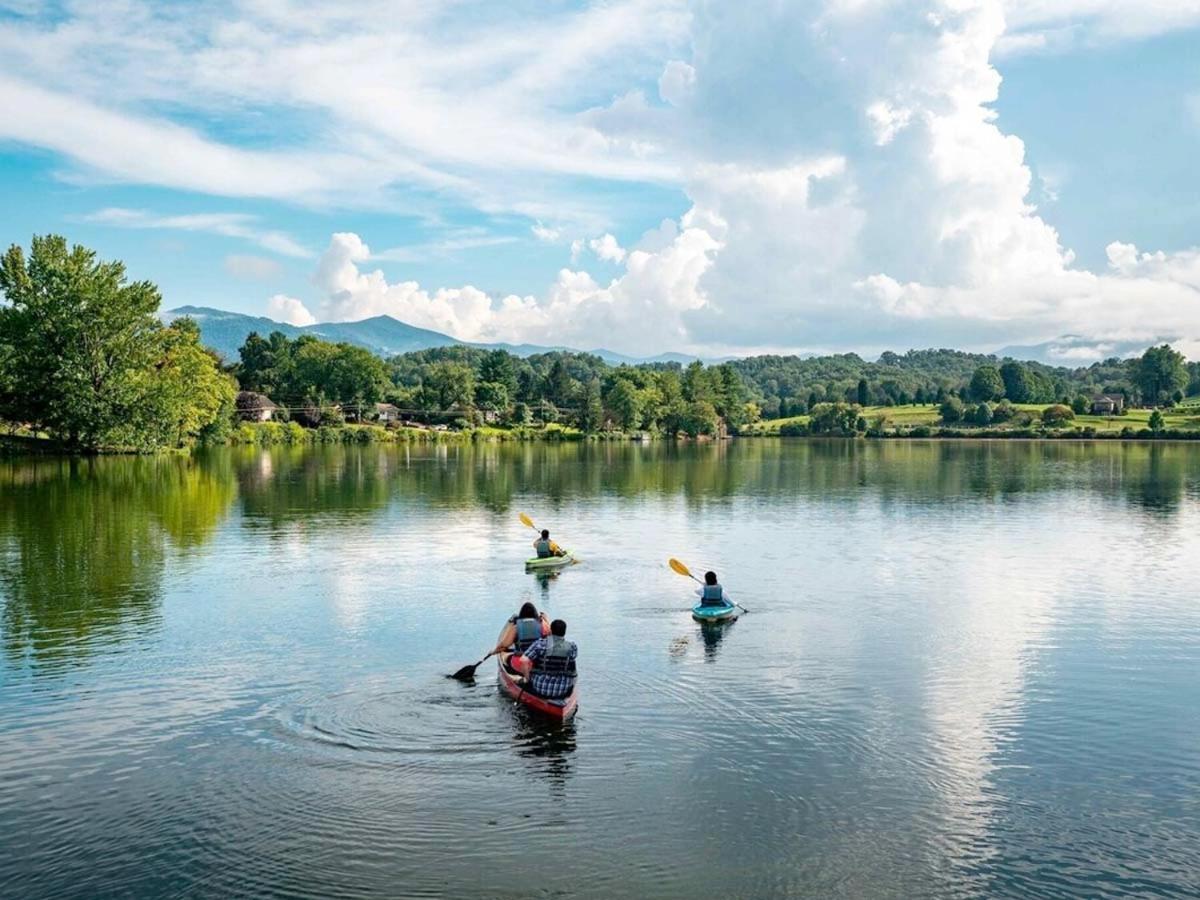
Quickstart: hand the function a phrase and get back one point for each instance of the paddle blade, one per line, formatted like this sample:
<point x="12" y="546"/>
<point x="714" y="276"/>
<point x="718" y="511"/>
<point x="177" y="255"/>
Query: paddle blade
<point x="680" y="568"/>
<point x="526" y="521"/>
<point x="466" y="673"/>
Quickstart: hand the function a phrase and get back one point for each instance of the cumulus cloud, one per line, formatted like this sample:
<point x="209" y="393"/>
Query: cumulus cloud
<point x="282" y="308"/>
<point x="843" y="180"/>
<point x="606" y="248"/>
<point x="644" y="306"/>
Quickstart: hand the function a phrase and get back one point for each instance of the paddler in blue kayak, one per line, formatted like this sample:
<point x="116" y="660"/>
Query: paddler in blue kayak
<point x="545" y="547"/>
<point x="712" y="594"/>
<point x="549" y="663"/>
<point x="523" y="629"/>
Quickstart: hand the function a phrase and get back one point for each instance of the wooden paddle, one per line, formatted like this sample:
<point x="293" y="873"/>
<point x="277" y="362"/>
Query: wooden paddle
<point x="525" y="520"/>
<point x="687" y="573"/>
<point x="466" y="673"/>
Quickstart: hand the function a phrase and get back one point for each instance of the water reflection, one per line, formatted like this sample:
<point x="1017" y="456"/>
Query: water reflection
<point x="546" y="746"/>
<point x="83" y="544"/>
<point x="712" y="633"/>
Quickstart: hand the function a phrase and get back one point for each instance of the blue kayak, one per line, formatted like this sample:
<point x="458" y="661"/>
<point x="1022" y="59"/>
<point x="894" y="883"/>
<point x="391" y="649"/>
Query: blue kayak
<point x="703" y="613"/>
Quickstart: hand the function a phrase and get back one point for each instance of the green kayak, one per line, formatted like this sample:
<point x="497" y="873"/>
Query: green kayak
<point x="551" y="562"/>
<point x="714" y="613"/>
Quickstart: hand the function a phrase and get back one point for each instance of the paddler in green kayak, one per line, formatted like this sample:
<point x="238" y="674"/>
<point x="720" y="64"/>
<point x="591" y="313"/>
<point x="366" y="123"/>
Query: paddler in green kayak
<point x="712" y="594"/>
<point x="545" y="547"/>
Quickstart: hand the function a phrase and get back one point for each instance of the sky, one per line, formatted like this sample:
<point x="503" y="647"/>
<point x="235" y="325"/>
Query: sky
<point x="639" y="175"/>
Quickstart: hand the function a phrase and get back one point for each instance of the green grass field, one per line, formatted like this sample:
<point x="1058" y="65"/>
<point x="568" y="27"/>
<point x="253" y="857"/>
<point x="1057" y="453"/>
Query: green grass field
<point x="1185" y="417"/>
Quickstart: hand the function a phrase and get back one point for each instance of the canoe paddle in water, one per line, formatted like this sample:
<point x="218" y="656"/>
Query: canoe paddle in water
<point x="466" y="673"/>
<point x="525" y="520"/>
<point x="687" y="573"/>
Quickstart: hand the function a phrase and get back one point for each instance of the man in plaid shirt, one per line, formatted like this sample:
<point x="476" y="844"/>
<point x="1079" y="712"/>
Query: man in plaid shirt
<point x="552" y="660"/>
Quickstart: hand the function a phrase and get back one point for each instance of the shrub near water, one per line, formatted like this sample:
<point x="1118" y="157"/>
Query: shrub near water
<point x="1057" y="415"/>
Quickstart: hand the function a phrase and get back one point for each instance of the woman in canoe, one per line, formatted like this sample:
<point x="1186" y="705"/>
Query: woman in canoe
<point x="712" y="594"/>
<point x="523" y="629"/>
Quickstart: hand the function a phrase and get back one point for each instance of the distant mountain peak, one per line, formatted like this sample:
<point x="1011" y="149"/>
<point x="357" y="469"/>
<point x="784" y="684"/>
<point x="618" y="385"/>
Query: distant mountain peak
<point x="225" y="332"/>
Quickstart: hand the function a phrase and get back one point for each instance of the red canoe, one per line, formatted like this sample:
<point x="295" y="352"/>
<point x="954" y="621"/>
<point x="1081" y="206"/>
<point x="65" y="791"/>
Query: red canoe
<point x="562" y="708"/>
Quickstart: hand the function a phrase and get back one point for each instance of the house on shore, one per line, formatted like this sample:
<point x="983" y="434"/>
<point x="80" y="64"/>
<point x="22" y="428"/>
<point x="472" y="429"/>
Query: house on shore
<point x="254" y="407"/>
<point x="386" y="413"/>
<point x="1108" y="405"/>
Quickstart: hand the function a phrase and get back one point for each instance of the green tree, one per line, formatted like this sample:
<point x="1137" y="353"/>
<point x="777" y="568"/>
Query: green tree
<point x="626" y="404"/>
<point x="699" y="417"/>
<point x="1157" y="421"/>
<point x="592" y="416"/>
<point x="450" y="385"/>
<point x="1160" y="372"/>
<point x="834" y="418"/>
<point x="951" y="410"/>
<point x="1016" y="381"/>
<point x="1080" y="404"/>
<point x="986" y="384"/>
<point x="498" y="367"/>
<point x="87" y="359"/>
<point x="863" y="393"/>
<point x="492" y="396"/>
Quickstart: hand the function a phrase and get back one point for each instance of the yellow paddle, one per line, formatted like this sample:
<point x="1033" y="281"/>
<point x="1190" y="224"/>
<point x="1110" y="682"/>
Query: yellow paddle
<point x="687" y="573"/>
<point x="525" y="520"/>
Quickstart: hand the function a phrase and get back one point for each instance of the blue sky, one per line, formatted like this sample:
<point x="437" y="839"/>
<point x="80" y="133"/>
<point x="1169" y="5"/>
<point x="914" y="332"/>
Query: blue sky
<point x="646" y="175"/>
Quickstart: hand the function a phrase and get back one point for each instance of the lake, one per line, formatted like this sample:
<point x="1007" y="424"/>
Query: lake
<point x="968" y="669"/>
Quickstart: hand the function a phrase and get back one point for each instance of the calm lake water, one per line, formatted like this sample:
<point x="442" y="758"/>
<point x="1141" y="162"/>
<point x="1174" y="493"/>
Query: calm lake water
<point x="968" y="670"/>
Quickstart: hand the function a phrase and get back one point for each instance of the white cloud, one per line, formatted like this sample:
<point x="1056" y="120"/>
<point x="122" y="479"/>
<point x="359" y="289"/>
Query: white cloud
<point x="676" y="81"/>
<point x="1060" y="24"/>
<point x="254" y="268"/>
<point x="235" y="225"/>
<point x="847" y="181"/>
<point x="282" y="308"/>
<point x="606" y="248"/>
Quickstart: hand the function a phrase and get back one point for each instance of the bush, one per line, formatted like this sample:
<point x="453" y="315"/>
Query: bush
<point x="1057" y="415"/>
<point x="951" y="410"/>
<point x="1003" y="411"/>
<point x="793" y="429"/>
<point x="921" y="431"/>
<point x="835" y="419"/>
<point x="981" y="414"/>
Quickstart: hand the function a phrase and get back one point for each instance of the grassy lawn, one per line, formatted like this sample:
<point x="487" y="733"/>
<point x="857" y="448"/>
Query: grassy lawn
<point x="1185" y="417"/>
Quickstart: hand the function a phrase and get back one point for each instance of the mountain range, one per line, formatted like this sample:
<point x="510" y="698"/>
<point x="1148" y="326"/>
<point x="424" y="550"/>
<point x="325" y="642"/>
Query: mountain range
<point x="225" y="332"/>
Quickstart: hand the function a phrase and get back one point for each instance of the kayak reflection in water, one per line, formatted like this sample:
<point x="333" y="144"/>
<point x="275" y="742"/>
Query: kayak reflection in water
<point x="545" y="547"/>
<point x="549" y="663"/>
<point x="712" y="594"/>
<point x="523" y="629"/>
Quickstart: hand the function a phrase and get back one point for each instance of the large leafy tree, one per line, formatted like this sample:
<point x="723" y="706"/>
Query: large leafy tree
<point x="1160" y="372"/>
<point x="986" y="384"/>
<point x="86" y="358"/>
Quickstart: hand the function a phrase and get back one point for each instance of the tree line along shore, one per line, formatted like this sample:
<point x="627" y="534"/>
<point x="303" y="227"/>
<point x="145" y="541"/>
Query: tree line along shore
<point x="88" y="365"/>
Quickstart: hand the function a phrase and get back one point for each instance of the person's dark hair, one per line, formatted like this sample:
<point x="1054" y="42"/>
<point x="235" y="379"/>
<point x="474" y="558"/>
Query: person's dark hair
<point x="710" y="577"/>
<point x="558" y="628"/>
<point x="545" y="534"/>
<point x="528" y="611"/>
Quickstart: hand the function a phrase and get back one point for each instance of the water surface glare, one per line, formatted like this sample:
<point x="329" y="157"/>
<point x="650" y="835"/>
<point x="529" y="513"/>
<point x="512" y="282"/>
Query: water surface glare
<point x="969" y="670"/>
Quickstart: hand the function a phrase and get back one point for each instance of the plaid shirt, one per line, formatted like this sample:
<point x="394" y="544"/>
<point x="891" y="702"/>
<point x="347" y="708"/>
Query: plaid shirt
<point x="550" y="684"/>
